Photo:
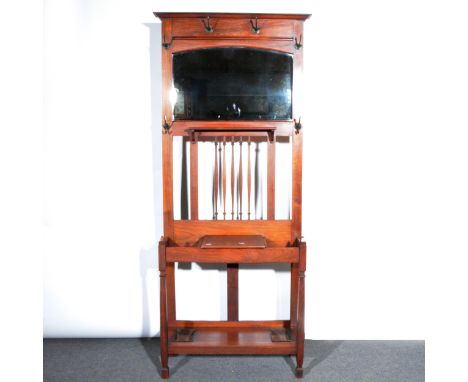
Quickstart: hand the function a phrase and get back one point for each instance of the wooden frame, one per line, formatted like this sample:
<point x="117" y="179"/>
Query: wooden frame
<point x="191" y="31"/>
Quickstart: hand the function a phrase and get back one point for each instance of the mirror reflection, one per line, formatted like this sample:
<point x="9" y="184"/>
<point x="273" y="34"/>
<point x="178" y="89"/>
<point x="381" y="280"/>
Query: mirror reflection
<point x="232" y="84"/>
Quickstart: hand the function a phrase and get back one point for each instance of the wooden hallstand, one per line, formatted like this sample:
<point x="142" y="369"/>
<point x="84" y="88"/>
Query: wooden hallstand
<point x="234" y="235"/>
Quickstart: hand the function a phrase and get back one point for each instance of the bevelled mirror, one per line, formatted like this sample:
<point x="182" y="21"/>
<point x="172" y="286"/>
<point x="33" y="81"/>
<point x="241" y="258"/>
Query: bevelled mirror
<point x="232" y="84"/>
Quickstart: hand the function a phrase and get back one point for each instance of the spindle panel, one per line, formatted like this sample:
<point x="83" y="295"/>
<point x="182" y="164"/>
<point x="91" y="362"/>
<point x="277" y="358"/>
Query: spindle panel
<point x="241" y="176"/>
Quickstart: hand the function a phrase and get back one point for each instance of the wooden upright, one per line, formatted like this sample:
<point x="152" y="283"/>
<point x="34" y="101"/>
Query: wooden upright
<point x="230" y="238"/>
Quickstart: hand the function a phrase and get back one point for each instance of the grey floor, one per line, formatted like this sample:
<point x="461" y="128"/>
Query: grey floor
<point x="89" y="360"/>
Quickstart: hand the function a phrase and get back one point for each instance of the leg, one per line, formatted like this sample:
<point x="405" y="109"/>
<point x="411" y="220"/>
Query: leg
<point x="171" y="304"/>
<point x="233" y="291"/>
<point x="163" y="311"/>
<point x="294" y="297"/>
<point x="301" y="309"/>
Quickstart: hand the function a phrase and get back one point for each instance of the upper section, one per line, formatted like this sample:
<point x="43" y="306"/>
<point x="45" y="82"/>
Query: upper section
<point x="232" y="25"/>
<point x="232" y="66"/>
<point x="232" y="95"/>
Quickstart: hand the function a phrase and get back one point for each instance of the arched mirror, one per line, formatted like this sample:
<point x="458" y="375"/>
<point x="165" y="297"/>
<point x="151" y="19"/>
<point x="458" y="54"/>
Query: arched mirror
<point x="232" y="84"/>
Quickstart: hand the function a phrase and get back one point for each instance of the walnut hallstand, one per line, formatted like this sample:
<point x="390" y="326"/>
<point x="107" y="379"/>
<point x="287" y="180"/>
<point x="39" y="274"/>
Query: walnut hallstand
<point x="226" y="239"/>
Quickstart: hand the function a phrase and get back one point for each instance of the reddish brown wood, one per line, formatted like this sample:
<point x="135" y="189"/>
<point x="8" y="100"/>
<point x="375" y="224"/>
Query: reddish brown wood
<point x="232" y="341"/>
<point x="168" y="211"/>
<point x="228" y="324"/>
<point x="233" y="241"/>
<point x="298" y="98"/>
<point x="194" y="181"/>
<point x="249" y="178"/>
<point x="163" y="311"/>
<point x="233" y="291"/>
<point x="271" y="181"/>
<point x="183" y="32"/>
<point x="215" y="183"/>
<point x="276" y="232"/>
<point x="232" y="256"/>
<point x="171" y="302"/>
<point x="301" y="311"/>
<point x="285" y="16"/>
<point x="231" y="27"/>
<point x="281" y="128"/>
<point x="239" y="181"/>
<point x="224" y="178"/>
<point x="294" y="297"/>
<point x="232" y="177"/>
<point x="280" y="45"/>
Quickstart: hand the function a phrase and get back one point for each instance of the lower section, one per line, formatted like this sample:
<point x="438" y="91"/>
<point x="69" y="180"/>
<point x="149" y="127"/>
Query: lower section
<point x="231" y="341"/>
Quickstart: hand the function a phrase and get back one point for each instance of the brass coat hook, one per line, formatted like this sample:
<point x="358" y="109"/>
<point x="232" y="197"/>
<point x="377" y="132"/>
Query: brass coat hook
<point x="207" y="25"/>
<point x="255" y="28"/>
<point x="165" y="44"/>
<point x="297" y="125"/>
<point x="166" y="126"/>
<point x="298" y="45"/>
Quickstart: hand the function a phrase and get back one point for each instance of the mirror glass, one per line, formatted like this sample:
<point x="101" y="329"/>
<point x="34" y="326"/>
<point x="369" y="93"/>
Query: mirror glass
<point x="232" y="84"/>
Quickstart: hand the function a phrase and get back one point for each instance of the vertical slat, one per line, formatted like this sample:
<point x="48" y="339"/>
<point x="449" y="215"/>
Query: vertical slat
<point x="194" y="181"/>
<point x="239" y="183"/>
<point x="232" y="177"/>
<point x="249" y="179"/>
<point x="215" y="183"/>
<point x="294" y="297"/>
<point x="257" y="192"/>
<point x="220" y="178"/>
<point x="224" y="178"/>
<point x="233" y="291"/>
<point x="271" y="181"/>
<point x="171" y="302"/>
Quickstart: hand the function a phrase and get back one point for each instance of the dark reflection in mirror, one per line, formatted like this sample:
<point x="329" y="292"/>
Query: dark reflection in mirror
<point x="232" y="83"/>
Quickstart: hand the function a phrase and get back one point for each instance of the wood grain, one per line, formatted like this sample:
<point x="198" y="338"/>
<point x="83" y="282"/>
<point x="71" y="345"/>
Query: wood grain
<point x="276" y="232"/>
<point x="231" y="27"/>
<point x="232" y="341"/>
<point x="194" y="181"/>
<point x="227" y="324"/>
<point x="232" y="256"/>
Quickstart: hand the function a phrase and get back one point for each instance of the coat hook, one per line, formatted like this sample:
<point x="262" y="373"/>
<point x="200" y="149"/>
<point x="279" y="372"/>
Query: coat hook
<point x="166" y="126"/>
<point x="207" y="25"/>
<point x="165" y="44"/>
<point x="297" y="125"/>
<point x="298" y="45"/>
<point x="255" y="28"/>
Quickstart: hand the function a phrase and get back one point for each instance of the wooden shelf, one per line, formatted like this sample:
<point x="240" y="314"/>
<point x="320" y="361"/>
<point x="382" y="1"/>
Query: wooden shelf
<point x="232" y="341"/>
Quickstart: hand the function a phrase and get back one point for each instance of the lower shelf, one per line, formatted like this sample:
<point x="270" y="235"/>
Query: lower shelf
<point x="232" y="341"/>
